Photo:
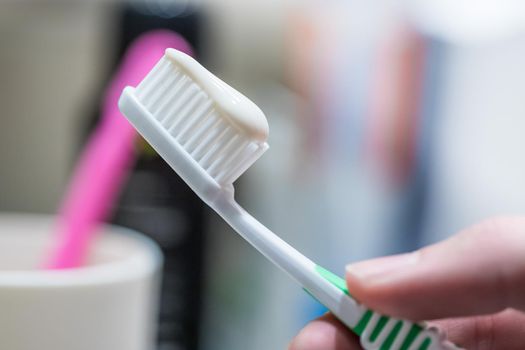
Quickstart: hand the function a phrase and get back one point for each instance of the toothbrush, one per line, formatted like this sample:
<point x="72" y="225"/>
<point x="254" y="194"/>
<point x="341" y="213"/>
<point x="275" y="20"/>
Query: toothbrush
<point x="209" y="133"/>
<point x="106" y="160"/>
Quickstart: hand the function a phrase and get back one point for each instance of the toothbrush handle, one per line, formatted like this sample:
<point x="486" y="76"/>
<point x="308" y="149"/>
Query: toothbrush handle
<point x="376" y="331"/>
<point x="299" y="267"/>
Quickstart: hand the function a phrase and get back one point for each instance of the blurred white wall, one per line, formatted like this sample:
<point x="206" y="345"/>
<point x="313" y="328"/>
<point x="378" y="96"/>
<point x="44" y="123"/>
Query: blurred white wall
<point x="246" y="39"/>
<point x="50" y="62"/>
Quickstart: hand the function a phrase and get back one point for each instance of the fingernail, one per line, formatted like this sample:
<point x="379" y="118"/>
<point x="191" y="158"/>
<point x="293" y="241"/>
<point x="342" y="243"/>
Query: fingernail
<point x="376" y="269"/>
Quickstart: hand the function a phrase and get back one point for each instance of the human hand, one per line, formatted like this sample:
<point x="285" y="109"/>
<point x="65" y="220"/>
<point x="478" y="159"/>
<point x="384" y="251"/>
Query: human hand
<point x="473" y="284"/>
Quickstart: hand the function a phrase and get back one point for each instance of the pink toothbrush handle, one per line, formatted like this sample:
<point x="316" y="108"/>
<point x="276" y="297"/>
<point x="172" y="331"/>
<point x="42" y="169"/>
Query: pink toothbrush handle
<point x="107" y="157"/>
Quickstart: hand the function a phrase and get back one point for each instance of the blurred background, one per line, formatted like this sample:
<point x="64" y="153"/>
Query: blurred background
<point x="393" y="124"/>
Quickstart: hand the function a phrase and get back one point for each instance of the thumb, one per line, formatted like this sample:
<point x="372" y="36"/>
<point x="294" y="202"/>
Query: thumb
<point x="479" y="271"/>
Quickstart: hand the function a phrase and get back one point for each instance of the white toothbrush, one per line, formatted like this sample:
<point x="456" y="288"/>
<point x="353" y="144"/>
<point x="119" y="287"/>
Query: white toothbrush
<point x="209" y="133"/>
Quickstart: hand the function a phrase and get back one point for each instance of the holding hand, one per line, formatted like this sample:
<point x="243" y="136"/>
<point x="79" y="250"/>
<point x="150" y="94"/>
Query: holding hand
<point x="472" y="283"/>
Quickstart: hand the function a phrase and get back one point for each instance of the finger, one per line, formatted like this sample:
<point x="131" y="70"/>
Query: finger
<point x="325" y="333"/>
<point x="505" y="330"/>
<point x="479" y="271"/>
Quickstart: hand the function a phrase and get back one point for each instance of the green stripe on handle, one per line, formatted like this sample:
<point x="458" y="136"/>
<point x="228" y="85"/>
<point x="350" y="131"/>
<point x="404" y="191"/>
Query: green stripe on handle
<point x="379" y="327"/>
<point x="332" y="278"/>
<point x="361" y="325"/>
<point x="387" y="344"/>
<point x="411" y="336"/>
<point x="414" y="331"/>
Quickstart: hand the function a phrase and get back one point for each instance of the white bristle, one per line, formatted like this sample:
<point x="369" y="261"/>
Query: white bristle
<point x="188" y="114"/>
<point x="229" y="147"/>
<point x="206" y="125"/>
<point x="207" y="141"/>
<point x="200" y="115"/>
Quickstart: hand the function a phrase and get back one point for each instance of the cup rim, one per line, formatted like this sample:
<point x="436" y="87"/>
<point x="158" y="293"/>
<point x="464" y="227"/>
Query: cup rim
<point x="145" y="261"/>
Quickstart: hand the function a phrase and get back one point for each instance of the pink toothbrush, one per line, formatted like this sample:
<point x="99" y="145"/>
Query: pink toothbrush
<point x="107" y="157"/>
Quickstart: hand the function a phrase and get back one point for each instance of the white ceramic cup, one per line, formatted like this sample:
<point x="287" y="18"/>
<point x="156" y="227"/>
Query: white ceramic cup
<point x="110" y="304"/>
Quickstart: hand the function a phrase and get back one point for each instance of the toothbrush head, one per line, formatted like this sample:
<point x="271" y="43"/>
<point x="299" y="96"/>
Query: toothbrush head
<point x="180" y="103"/>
